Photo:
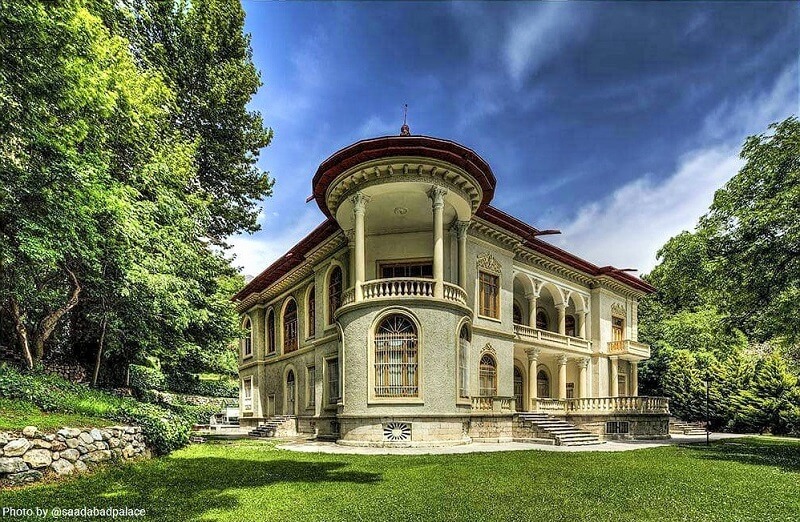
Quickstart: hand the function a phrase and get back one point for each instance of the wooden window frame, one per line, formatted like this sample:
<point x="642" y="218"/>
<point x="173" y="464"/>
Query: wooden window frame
<point x="488" y="305"/>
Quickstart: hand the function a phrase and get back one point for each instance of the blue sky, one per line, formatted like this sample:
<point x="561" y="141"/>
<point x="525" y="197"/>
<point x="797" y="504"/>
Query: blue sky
<point x="613" y="122"/>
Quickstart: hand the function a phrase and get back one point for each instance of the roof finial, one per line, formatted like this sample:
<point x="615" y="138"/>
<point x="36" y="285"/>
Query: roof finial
<point x="405" y="130"/>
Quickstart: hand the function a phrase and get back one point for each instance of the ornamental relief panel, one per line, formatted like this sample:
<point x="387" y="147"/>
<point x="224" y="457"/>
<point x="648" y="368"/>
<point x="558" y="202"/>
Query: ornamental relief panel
<point x="618" y="309"/>
<point x="486" y="261"/>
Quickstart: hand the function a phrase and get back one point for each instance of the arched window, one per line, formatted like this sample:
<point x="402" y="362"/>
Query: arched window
<point x="291" y="391"/>
<point x="517" y="314"/>
<point x="518" y="388"/>
<point x="247" y="342"/>
<point x="312" y="311"/>
<point x="396" y="361"/>
<point x="487" y="371"/>
<point x="334" y="292"/>
<point x="271" y="332"/>
<point x="541" y="320"/>
<point x="542" y="385"/>
<point x="290" y="327"/>
<point x="569" y="325"/>
<point x="463" y="362"/>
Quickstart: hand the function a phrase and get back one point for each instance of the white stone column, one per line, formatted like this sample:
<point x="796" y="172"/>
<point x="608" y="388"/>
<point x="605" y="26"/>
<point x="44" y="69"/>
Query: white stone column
<point x="562" y="318"/>
<point x="533" y="362"/>
<point x="461" y="231"/>
<point x="583" y="315"/>
<point x="360" y="201"/>
<point x="437" y="197"/>
<point x="350" y="234"/>
<point x="532" y="303"/>
<point x="614" y="384"/>
<point x="562" y="377"/>
<point x="583" y="364"/>
<point x="634" y="378"/>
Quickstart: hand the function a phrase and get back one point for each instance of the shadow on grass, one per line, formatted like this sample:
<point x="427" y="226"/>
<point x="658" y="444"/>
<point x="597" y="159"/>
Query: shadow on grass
<point x="182" y="488"/>
<point x="784" y="454"/>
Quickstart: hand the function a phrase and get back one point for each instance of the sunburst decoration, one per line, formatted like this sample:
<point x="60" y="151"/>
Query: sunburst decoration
<point x="397" y="431"/>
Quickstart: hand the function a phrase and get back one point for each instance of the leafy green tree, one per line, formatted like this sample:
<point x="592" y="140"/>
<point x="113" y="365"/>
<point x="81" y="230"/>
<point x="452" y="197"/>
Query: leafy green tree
<point x="771" y="400"/>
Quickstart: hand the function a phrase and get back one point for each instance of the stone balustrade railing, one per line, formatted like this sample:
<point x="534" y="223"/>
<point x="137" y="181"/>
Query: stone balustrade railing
<point x="553" y="338"/>
<point x="605" y="405"/>
<point x="399" y="287"/>
<point x="628" y="347"/>
<point x="349" y="296"/>
<point x="455" y="293"/>
<point x="502" y="404"/>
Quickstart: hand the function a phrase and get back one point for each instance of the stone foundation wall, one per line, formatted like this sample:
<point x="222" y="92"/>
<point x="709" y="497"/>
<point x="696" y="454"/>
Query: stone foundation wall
<point x="491" y="428"/>
<point x="641" y="427"/>
<point x="29" y="455"/>
<point x="405" y="431"/>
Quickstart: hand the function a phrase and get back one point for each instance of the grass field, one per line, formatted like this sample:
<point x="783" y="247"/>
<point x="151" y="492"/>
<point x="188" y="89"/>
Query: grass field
<point x="740" y="479"/>
<point x="16" y="414"/>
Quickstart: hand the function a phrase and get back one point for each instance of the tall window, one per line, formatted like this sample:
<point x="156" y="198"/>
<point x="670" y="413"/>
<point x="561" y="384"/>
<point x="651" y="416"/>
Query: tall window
<point x="569" y="325"/>
<point x="247" y="342"/>
<point x="396" y="362"/>
<point x="487" y="371"/>
<point x="541" y="320"/>
<point x="542" y="385"/>
<point x="247" y="393"/>
<point x="334" y="292"/>
<point x="517" y="314"/>
<point x="617" y="328"/>
<point x="518" y="388"/>
<point x="333" y="381"/>
<point x="312" y="311"/>
<point x="570" y="390"/>
<point x="271" y="332"/>
<point x="489" y="295"/>
<point x="290" y="327"/>
<point x="291" y="393"/>
<point x="463" y="362"/>
<point x="419" y="269"/>
<point x="311" y="380"/>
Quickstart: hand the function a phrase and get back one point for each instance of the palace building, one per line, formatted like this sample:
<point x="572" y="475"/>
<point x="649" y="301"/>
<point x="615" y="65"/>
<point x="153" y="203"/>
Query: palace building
<point x="418" y="314"/>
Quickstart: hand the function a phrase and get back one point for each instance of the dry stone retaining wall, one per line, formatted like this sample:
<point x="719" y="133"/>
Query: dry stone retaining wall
<point x="29" y="455"/>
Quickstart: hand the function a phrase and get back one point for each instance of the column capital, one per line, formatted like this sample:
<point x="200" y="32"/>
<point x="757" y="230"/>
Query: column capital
<point x="437" y="194"/>
<point x="562" y="360"/>
<point x="360" y="201"/>
<point x="533" y="353"/>
<point x="532" y="295"/>
<point x="614" y="358"/>
<point x="583" y="362"/>
<point x="460" y="228"/>
<point x="561" y="306"/>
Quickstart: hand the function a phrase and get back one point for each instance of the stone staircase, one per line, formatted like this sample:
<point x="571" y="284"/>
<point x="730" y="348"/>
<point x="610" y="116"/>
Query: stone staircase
<point x="680" y="427"/>
<point x="277" y="426"/>
<point x="561" y="432"/>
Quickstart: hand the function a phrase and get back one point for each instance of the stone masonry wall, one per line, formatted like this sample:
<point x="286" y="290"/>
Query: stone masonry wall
<point x="29" y="455"/>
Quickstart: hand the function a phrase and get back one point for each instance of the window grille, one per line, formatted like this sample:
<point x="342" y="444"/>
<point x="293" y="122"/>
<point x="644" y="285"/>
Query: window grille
<point x="247" y="392"/>
<point x="333" y="381"/>
<point x="271" y="332"/>
<point x="334" y="292"/>
<point x="290" y="327"/>
<point x="396" y="361"/>
<point x="518" y="394"/>
<point x="248" y="339"/>
<point x="489" y="295"/>
<point x="463" y="364"/>
<point x="312" y="312"/>
<point x="570" y="390"/>
<point x="312" y="386"/>
<point x="488" y="376"/>
<point x="617" y="427"/>
<point x="290" y="393"/>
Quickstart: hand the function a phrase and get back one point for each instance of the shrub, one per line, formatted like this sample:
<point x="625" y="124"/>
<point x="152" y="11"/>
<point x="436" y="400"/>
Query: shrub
<point x="145" y="378"/>
<point x="192" y="384"/>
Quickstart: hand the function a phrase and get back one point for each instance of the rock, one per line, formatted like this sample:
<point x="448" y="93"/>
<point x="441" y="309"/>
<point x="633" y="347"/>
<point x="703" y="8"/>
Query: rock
<point x="38" y="458"/>
<point x="117" y="453"/>
<point x="130" y="429"/>
<point x="56" y="455"/>
<point x="69" y="433"/>
<point x="80" y="467"/>
<point x="25" y="477"/>
<point x="90" y="447"/>
<point x="63" y="467"/>
<point x="3" y="439"/>
<point x="71" y="455"/>
<point x="97" y="456"/>
<point x="39" y="443"/>
<point x="12" y="465"/>
<point x="106" y="434"/>
<point x="72" y="443"/>
<point x="58" y="446"/>
<point x="83" y="450"/>
<point x="16" y="447"/>
<point x="113" y="442"/>
<point x="50" y="437"/>
<point x="128" y="451"/>
<point x="86" y="438"/>
<point x="101" y="445"/>
<point x="96" y="435"/>
<point x="30" y="431"/>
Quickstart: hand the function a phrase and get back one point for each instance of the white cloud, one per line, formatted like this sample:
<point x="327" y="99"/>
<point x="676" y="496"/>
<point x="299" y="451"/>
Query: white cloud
<point x="375" y="126"/>
<point x="627" y="228"/>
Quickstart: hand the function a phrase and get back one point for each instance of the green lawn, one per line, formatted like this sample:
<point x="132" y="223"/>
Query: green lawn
<point x="16" y="414"/>
<point x="744" y="479"/>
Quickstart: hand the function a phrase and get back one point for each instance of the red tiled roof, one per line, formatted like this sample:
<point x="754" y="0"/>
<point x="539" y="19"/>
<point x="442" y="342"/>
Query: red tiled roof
<point x="388" y="146"/>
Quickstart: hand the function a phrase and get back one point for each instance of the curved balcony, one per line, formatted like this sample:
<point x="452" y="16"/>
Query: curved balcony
<point x="552" y="339"/>
<point x="405" y="287"/>
<point x="628" y="349"/>
<point x="605" y="405"/>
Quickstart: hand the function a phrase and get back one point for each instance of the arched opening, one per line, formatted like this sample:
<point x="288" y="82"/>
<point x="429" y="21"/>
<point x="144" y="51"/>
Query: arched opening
<point x="569" y="326"/>
<point x="542" y="321"/>
<point x="311" y="307"/>
<point x="518" y="388"/>
<point x="247" y="341"/>
<point x="334" y="292"/>
<point x="487" y="371"/>
<point x="291" y="393"/>
<point x="542" y="384"/>
<point x="517" y="313"/>
<point x="271" y="332"/>
<point x="396" y="357"/>
<point x="463" y="361"/>
<point x="290" y="342"/>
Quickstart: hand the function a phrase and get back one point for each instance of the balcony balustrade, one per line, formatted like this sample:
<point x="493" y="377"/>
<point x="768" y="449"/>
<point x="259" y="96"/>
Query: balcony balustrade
<point x="602" y="405"/>
<point x="501" y="404"/>
<point x="405" y="287"/>
<point x="557" y="340"/>
<point x="628" y="349"/>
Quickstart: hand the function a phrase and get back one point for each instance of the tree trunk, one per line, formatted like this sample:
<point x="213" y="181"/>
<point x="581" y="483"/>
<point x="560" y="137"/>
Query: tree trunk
<point x="99" y="353"/>
<point x="48" y="324"/>
<point x="22" y="333"/>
